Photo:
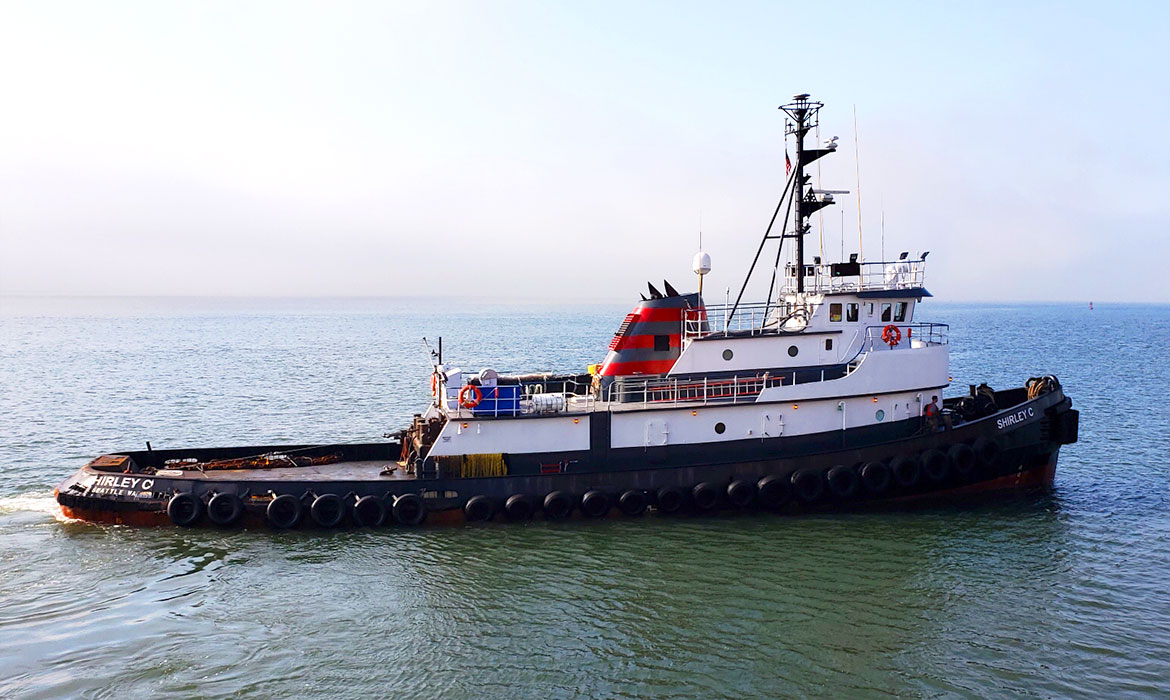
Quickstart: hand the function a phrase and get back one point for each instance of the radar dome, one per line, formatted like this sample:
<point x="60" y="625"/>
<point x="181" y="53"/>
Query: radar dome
<point x="702" y="263"/>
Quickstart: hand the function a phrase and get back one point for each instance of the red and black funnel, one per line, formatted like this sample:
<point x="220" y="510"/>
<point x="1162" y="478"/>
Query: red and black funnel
<point x="650" y="337"/>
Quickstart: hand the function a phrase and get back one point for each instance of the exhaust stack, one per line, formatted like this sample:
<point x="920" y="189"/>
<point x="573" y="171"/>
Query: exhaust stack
<point x="650" y="337"/>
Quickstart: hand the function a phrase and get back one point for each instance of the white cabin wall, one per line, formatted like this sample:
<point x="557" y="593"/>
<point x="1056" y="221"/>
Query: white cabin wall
<point x="696" y="425"/>
<point x="750" y="354"/>
<point x="515" y="435"/>
<point x="880" y="372"/>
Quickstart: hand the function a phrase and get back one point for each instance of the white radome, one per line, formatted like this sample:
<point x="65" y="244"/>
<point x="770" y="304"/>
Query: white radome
<point x="702" y="263"/>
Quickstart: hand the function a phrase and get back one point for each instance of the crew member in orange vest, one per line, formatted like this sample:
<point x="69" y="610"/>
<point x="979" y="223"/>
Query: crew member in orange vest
<point x="931" y="413"/>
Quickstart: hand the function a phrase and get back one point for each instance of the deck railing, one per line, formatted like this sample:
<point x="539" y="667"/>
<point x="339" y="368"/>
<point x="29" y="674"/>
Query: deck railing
<point x="671" y="391"/>
<point x="755" y="318"/>
<point x="492" y="405"/>
<point x="891" y="274"/>
<point x="737" y="388"/>
<point x="929" y="333"/>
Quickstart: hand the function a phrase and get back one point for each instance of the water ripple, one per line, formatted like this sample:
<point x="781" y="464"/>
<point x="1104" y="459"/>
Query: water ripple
<point x="1053" y="595"/>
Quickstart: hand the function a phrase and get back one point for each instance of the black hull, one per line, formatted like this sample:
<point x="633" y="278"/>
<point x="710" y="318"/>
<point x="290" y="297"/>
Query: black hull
<point x="1016" y="447"/>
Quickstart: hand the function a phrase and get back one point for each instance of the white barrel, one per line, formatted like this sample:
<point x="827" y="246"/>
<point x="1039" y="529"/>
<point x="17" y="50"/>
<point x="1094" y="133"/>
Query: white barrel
<point x="548" y="403"/>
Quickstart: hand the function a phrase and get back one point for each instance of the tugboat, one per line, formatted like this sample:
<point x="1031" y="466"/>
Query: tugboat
<point x="825" y="395"/>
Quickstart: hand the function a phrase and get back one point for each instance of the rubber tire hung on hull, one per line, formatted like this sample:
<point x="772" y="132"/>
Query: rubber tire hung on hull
<point x="632" y="503"/>
<point x="669" y="499"/>
<point x="741" y="493"/>
<point x="184" y="509"/>
<point x="705" y="496"/>
<point x="595" y="504"/>
<point x="409" y="509"/>
<point x="369" y="511"/>
<point x="906" y="471"/>
<point x="963" y="460"/>
<point x="987" y="450"/>
<point x="478" y="508"/>
<point x="224" y="509"/>
<point x="558" y="505"/>
<point x="808" y="485"/>
<point x="519" y="507"/>
<point x="936" y="465"/>
<point x="285" y="511"/>
<point x="774" y="491"/>
<point x="875" y="477"/>
<point x="843" y="481"/>
<point x="327" y="510"/>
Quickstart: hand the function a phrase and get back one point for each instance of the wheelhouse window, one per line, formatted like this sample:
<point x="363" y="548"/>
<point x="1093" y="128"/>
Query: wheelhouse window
<point x="900" y="311"/>
<point x="851" y="313"/>
<point x="835" y="313"/>
<point x="886" y="313"/>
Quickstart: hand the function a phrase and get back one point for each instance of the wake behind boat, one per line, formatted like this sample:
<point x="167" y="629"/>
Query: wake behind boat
<point x="826" y="394"/>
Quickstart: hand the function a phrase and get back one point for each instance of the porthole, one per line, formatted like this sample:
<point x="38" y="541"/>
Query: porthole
<point x="728" y="354"/>
<point x="880" y="415"/>
<point x="720" y="428"/>
<point x="792" y="350"/>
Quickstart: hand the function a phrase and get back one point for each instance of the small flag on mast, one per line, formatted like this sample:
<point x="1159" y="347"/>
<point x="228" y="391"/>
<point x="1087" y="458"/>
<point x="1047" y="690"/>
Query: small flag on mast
<point x="787" y="164"/>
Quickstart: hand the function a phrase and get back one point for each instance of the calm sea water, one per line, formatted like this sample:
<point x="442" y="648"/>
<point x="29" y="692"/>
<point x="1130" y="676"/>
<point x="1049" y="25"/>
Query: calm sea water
<point x="1062" y="594"/>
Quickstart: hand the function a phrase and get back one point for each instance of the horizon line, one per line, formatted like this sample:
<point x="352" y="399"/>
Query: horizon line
<point x="488" y="298"/>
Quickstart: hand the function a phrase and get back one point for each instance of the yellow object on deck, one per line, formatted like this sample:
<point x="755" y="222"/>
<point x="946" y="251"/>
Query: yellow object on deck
<point x="483" y="465"/>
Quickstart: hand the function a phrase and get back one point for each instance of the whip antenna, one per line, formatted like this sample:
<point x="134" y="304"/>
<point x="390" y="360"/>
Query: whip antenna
<point x="857" y="172"/>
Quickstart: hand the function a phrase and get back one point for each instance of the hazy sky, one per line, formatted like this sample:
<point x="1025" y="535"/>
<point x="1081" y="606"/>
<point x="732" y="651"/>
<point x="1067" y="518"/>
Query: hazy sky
<point x="566" y="150"/>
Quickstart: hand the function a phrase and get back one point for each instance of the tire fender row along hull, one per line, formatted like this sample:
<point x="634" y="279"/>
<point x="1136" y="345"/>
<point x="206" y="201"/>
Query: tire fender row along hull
<point x="898" y="474"/>
<point x="286" y="511"/>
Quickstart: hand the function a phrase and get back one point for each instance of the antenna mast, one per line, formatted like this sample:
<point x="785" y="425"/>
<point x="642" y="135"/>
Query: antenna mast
<point x="805" y="202"/>
<point x="804" y="116"/>
<point x="857" y="172"/>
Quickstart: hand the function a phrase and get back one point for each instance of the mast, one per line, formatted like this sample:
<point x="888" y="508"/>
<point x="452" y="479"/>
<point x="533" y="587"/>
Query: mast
<point x="804" y="115"/>
<point x="805" y="203"/>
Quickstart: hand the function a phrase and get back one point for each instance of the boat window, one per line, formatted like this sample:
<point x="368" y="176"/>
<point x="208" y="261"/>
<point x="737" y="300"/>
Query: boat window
<point x="728" y="354"/>
<point x="835" y="313"/>
<point x="869" y="309"/>
<point x="900" y="311"/>
<point x="661" y="343"/>
<point x="851" y="312"/>
<point x="792" y="350"/>
<point x="719" y="428"/>
<point x="828" y="343"/>
<point x="886" y="312"/>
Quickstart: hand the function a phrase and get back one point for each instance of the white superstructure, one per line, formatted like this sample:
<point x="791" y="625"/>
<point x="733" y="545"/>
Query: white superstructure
<point x="833" y="347"/>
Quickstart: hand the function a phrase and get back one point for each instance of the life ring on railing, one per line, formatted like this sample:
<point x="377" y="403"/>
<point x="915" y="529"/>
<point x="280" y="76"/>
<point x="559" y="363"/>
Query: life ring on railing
<point x="891" y="335"/>
<point x="470" y="396"/>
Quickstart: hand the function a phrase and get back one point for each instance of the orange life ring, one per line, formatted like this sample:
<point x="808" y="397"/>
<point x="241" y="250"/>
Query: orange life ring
<point x="891" y="335"/>
<point x="470" y="401"/>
